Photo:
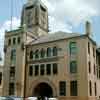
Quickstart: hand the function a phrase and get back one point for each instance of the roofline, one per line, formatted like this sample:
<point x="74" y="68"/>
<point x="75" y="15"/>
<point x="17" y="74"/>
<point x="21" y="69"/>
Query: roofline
<point x="94" y="42"/>
<point x="15" y="30"/>
<point x="82" y="36"/>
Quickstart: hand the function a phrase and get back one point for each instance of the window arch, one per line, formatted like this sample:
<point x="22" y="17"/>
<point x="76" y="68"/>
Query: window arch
<point x="55" y="52"/>
<point x="37" y="54"/>
<point x="31" y="54"/>
<point x="49" y="51"/>
<point x="42" y="52"/>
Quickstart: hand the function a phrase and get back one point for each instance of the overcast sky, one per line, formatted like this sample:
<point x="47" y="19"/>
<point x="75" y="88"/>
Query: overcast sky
<point x="64" y="15"/>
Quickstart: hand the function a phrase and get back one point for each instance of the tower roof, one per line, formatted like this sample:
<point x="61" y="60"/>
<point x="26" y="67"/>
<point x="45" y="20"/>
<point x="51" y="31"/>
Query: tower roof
<point x="35" y="2"/>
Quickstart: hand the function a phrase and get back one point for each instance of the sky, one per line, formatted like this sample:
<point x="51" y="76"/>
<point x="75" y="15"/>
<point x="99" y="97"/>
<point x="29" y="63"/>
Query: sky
<point x="64" y="15"/>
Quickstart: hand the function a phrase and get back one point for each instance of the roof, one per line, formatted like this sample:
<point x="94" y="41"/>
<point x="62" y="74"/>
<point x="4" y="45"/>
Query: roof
<point x="34" y="2"/>
<point x="54" y="36"/>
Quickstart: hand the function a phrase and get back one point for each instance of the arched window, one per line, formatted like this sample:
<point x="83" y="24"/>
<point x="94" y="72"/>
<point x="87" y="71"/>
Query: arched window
<point x="37" y="54"/>
<point x="31" y="54"/>
<point x="9" y="42"/>
<point x="49" y="51"/>
<point x="55" y="68"/>
<point x="90" y="88"/>
<point x="55" y="53"/>
<point x="19" y="40"/>
<point x="42" y="53"/>
<point x="95" y="87"/>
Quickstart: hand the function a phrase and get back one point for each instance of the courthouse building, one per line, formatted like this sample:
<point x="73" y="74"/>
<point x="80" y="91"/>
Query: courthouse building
<point x="37" y="63"/>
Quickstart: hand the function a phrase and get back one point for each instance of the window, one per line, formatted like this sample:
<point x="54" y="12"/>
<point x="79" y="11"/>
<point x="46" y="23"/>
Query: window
<point x="49" y="51"/>
<point x="42" y="69"/>
<point x="13" y="55"/>
<point x="31" y="70"/>
<point x="55" y="51"/>
<point x="93" y="52"/>
<point x="43" y="18"/>
<point x="73" y="88"/>
<point x="73" y="48"/>
<point x="14" y="40"/>
<point x="90" y="88"/>
<point x="95" y="86"/>
<point x="36" y="16"/>
<point x="11" y="88"/>
<point x="31" y="54"/>
<point x="9" y="42"/>
<point x="42" y="53"/>
<point x="0" y="78"/>
<point x="36" y="70"/>
<point x="18" y="40"/>
<point x="94" y="69"/>
<point x="29" y="7"/>
<point x="99" y="72"/>
<point x="36" y="54"/>
<point x="73" y="67"/>
<point x="55" y="71"/>
<point x="62" y="88"/>
<point x="29" y="18"/>
<point x="89" y="65"/>
<point x="12" y="71"/>
<point x="48" y="69"/>
<point x="88" y="48"/>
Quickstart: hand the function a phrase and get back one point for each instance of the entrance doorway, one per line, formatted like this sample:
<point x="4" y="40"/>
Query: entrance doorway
<point x="43" y="89"/>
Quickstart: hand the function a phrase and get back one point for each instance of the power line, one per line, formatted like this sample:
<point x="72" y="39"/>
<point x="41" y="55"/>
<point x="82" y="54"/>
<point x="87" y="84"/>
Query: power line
<point x="14" y="10"/>
<point x="11" y="15"/>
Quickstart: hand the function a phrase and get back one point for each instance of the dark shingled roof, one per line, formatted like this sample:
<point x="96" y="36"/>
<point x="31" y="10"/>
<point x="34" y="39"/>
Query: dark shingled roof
<point x="54" y="36"/>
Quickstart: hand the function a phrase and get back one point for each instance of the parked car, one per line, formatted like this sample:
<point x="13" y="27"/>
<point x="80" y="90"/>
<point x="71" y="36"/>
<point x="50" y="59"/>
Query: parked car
<point x="16" y="98"/>
<point x="6" y="98"/>
<point x="11" y="98"/>
<point x="40" y="98"/>
<point x="52" y="98"/>
<point x="31" y="98"/>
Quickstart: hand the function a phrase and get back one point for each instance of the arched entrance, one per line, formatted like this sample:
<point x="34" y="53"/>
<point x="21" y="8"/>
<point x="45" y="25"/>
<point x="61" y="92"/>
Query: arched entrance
<point x="43" y="89"/>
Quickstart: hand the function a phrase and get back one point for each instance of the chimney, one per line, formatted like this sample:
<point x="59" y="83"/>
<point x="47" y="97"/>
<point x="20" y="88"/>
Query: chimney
<point x="88" y="28"/>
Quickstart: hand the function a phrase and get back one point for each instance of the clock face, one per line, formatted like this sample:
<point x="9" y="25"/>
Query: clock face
<point x="29" y="18"/>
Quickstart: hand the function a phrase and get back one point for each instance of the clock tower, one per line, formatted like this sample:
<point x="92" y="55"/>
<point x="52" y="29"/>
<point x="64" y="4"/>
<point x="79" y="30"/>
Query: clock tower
<point x="35" y="17"/>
